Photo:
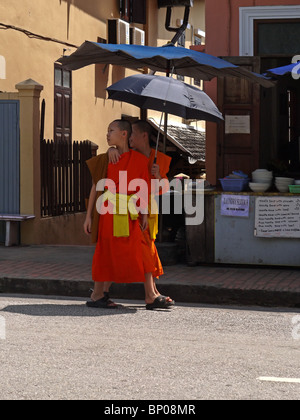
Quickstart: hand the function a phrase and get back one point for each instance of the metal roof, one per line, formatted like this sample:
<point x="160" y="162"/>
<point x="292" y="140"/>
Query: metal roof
<point x="186" y="138"/>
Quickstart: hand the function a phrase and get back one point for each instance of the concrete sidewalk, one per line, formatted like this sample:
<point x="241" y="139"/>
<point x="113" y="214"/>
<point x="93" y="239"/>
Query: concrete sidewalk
<point x="66" y="271"/>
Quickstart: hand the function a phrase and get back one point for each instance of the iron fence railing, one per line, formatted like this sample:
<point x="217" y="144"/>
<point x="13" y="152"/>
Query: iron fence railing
<point x="65" y="178"/>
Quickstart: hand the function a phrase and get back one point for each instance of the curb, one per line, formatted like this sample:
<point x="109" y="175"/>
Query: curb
<point x="181" y="293"/>
<point x="45" y="287"/>
<point x="213" y="295"/>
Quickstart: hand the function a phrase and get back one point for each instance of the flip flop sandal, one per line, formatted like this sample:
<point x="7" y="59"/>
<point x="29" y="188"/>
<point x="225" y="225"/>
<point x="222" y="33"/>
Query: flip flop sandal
<point x="106" y="294"/>
<point x="169" y="302"/>
<point x="102" y="303"/>
<point x="159" y="303"/>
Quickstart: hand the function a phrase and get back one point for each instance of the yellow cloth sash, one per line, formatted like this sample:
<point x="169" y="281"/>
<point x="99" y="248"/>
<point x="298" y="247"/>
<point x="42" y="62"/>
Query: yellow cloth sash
<point x="122" y="204"/>
<point x="153" y="217"/>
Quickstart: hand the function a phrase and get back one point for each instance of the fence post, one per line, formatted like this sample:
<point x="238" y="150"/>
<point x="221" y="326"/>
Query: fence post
<point x="30" y="195"/>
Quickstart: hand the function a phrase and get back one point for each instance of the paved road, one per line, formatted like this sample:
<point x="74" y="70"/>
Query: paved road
<point x="60" y="349"/>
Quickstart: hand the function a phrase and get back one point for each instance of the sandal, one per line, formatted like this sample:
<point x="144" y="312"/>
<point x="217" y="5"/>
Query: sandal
<point x="170" y="302"/>
<point x="106" y="294"/>
<point x="102" y="303"/>
<point x="158" y="303"/>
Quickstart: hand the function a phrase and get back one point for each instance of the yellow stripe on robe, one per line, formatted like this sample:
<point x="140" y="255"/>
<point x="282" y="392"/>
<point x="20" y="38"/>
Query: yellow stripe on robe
<point x="153" y="217"/>
<point x="122" y="205"/>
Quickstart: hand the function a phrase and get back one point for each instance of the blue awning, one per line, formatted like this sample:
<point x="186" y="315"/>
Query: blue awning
<point x="169" y="58"/>
<point x="293" y="69"/>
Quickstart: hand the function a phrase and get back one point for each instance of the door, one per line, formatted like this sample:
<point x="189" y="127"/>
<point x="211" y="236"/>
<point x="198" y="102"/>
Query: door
<point x="9" y="160"/>
<point x="238" y="136"/>
<point x="62" y="104"/>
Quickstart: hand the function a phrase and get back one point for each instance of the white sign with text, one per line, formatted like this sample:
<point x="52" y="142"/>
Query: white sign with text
<point x="277" y="217"/>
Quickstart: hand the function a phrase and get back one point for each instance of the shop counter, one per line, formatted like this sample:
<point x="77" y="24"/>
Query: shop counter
<point x="246" y="228"/>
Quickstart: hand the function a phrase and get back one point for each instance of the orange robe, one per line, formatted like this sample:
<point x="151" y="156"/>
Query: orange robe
<point x="164" y="164"/>
<point x="122" y="259"/>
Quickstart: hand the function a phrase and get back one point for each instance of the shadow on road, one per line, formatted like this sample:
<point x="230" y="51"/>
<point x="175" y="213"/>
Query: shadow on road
<point x="79" y="310"/>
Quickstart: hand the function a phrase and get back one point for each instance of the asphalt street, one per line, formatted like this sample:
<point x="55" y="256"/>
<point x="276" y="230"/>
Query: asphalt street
<point x="58" y="349"/>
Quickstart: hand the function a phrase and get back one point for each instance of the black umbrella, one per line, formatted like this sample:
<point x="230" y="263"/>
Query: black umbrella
<point x="167" y="95"/>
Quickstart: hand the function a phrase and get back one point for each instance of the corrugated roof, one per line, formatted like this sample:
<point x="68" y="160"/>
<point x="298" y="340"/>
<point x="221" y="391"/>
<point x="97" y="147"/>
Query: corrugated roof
<point x="187" y="138"/>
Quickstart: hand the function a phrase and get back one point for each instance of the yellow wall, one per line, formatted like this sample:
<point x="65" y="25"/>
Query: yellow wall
<point x="71" y="21"/>
<point x="75" y="21"/>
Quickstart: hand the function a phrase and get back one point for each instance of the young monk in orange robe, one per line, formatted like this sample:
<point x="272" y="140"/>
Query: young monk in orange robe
<point x="119" y="253"/>
<point x="139" y="140"/>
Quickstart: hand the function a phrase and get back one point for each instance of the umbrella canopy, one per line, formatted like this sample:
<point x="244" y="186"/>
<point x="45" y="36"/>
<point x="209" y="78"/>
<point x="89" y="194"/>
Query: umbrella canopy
<point x="293" y="69"/>
<point x="179" y="60"/>
<point x="167" y="95"/>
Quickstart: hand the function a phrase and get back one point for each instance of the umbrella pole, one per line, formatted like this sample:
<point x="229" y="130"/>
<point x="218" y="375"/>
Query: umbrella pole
<point x="165" y="122"/>
<point x="160" y="216"/>
<point x="165" y="133"/>
<point x="157" y="138"/>
<point x="166" y="115"/>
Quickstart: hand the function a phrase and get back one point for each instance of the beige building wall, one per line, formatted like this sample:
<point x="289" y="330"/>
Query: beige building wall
<point x="73" y="22"/>
<point x="70" y="21"/>
<point x="33" y="58"/>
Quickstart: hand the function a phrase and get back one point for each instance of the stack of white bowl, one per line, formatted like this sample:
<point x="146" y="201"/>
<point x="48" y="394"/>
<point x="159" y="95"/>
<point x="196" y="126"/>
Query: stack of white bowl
<point x="282" y="183"/>
<point x="261" y="180"/>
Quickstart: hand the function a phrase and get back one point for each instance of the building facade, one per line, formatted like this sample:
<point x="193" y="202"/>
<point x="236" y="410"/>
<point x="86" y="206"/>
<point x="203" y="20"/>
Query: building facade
<point x="259" y="35"/>
<point x="33" y="36"/>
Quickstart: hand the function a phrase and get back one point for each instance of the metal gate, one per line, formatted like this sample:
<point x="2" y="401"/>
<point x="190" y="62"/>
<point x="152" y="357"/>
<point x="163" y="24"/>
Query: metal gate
<point x="9" y="160"/>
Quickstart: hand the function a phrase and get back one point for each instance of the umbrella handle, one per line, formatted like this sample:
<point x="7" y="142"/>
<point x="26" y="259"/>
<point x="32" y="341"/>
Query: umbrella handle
<point x="157" y="138"/>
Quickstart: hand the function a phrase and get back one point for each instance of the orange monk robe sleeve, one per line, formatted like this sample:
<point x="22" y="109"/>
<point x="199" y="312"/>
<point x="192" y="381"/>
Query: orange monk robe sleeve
<point x="98" y="168"/>
<point x="163" y="161"/>
<point x="141" y="163"/>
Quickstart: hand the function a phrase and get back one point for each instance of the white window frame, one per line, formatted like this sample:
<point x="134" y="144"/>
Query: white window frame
<point x="247" y="15"/>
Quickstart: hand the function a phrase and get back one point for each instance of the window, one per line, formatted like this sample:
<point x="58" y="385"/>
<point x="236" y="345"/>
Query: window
<point x="181" y="43"/>
<point x="197" y="41"/>
<point x="62" y="78"/>
<point x="249" y="14"/>
<point x="272" y="37"/>
<point x="133" y="11"/>
<point x="62" y="104"/>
